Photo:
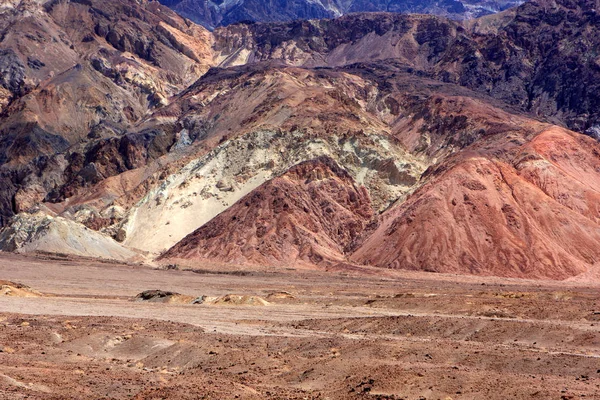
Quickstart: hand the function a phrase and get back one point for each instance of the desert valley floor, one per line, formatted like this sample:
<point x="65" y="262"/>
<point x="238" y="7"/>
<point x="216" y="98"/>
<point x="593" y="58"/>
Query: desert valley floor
<point x="304" y="335"/>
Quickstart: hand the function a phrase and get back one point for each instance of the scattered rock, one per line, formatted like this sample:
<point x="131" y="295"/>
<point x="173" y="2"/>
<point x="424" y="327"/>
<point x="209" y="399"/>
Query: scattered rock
<point x="13" y="289"/>
<point x="280" y="295"/>
<point x="163" y="296"/>
<point x="238" y="300"/>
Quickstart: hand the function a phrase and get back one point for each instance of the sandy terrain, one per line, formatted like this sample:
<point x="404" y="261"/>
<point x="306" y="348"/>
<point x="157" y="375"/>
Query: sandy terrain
<point x="336" y="335"/>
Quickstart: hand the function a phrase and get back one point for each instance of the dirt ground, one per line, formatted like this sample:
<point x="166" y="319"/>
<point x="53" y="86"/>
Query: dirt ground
<point x="335" y="335"/>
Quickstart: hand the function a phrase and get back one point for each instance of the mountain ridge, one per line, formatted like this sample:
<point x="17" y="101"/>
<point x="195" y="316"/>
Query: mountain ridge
<point x="149" y="130"/>
<point x="212" y="14"/>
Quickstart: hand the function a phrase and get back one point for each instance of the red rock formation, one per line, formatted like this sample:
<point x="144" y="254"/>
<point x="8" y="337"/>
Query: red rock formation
<point x="536" y="216"/>
<point x="309" y="215"/>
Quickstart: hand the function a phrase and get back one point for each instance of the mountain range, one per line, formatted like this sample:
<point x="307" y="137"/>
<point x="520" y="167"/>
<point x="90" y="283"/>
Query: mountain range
<point x="212" y="14"/>
<point x="381" y="139"/>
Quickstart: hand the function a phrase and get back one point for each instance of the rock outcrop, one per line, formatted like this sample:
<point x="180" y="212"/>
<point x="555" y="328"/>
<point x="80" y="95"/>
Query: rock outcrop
<point x="29" y="233"/>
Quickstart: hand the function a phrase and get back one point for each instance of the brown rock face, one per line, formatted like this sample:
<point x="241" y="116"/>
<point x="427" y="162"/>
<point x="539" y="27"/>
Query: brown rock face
<point x="74" y="77"/>
<point x="539" y="56"/>
<point x="309" y="215"/>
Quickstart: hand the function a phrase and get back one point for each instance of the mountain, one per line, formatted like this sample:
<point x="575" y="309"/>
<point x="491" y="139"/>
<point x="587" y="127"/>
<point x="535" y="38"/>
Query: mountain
<point x="212" y="14"/>
<point x="531" y="213"/>
<point x="488" y="203"/>
<point x="539" y="57"/>
<point x="380" y="139"/>
<point x="75" y="78"/>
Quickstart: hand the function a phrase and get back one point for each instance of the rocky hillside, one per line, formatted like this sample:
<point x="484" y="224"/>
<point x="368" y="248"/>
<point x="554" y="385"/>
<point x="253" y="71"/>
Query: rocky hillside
<point x="530" y="213"/>
<point x="539" y="57"/>
<point x="311" y="213"/>
<point x="380" y="139"/>
<point x="75" y="78"/>
<point x="214" y="13"/>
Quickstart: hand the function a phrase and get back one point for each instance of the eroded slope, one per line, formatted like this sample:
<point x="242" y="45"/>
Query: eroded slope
<point x="311" y="214"/>
<point x="532" y="213"/>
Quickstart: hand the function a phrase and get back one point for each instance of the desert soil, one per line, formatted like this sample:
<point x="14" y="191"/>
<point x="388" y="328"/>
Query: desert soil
<point x="322" y="335"/>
